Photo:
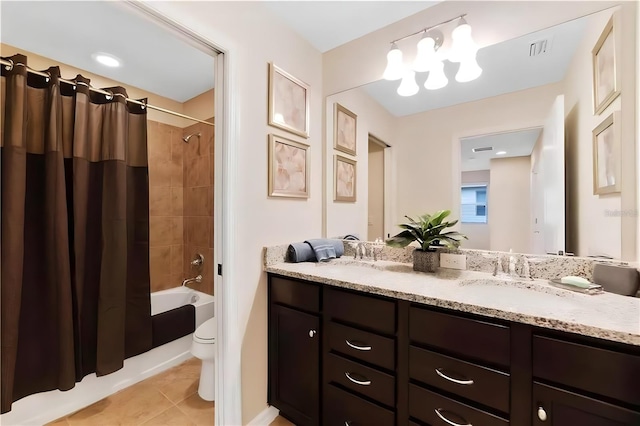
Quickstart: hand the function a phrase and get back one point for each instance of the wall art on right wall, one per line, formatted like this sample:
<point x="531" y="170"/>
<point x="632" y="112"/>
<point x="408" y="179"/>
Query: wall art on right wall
<point x="606" y="71"/>
<point x="344" y="179"/>
<point x="606" y="156"/>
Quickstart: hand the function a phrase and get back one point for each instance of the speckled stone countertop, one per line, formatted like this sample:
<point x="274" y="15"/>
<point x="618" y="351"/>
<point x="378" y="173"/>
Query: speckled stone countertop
<point x="605" y="316"/>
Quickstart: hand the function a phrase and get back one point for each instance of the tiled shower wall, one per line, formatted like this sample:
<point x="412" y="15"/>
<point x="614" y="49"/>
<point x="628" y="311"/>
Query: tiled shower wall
<point x="166" y="240"/>
<point x="198" y="203"/>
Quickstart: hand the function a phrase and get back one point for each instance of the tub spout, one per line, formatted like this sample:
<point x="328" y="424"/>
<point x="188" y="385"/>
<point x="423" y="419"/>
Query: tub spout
<point x="197" y="279"/>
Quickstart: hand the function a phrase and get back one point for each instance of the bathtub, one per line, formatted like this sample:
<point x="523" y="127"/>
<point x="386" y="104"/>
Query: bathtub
<point x="45" y="407"/>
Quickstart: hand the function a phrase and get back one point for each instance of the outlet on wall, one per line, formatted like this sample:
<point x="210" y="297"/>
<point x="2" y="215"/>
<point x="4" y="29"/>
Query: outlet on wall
<point x="453" y="261"/>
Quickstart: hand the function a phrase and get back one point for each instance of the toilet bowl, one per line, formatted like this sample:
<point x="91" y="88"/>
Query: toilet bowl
<point x="203" y="347"/>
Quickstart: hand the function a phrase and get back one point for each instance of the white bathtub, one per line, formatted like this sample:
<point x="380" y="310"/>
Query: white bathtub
<point x="44" y="407"/>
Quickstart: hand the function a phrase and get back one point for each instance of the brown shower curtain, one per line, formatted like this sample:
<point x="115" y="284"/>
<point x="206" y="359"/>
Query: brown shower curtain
<point x="75" y="295"/>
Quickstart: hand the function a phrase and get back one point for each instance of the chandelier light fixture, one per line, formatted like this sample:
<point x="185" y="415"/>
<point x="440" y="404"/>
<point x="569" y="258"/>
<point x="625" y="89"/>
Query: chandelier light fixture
<point x="430" y="59"/>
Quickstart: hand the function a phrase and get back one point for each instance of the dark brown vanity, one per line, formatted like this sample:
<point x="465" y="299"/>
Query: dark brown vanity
<point x="348" y="358"/>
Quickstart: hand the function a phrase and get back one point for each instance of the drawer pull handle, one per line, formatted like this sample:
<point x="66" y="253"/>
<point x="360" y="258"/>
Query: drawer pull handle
<point x="357" y="347"/>
<point x="446" y="420"/>
<point x="451" y="379"/>
<point x="358" y="382"/>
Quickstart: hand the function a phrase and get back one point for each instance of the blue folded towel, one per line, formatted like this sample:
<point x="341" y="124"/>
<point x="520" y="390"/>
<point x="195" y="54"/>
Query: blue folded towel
<point x="301" y="252"/>
<point x="326" y="249"/>
<point x="315" y="250"/>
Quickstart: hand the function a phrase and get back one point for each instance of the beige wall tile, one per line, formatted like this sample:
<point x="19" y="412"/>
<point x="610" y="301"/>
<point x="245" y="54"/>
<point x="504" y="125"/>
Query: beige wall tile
<point x="176" y="172"/>
<point x="199" y="201"/>
<point x="161" y="231"/>
<point x="177" y="259"/>
<point x="162" y="282"/>
<point x="177" y="145"/>
<point x="197" y="171"/>
<point x="211" y="169"/>
<point x="177" y="230"/>
<point x="159" y="173"/>
<point x="160" y="201"/>
<point x="177" y="201"/>
<point x="159" y="145"/>
<point x="198" y="230"/>
<point x="159" y="261"/>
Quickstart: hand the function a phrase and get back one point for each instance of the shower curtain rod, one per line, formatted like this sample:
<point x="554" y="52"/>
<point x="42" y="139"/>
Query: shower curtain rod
<point x="10" y="64"/>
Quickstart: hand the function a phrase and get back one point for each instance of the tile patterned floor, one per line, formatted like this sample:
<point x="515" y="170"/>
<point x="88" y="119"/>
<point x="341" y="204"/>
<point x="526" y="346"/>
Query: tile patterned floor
<point x="281" y="421"/>
<point x="168" y="399"/>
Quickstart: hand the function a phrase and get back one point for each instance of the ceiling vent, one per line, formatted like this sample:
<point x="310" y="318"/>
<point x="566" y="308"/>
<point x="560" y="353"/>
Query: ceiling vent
<point x="539" y="47"/>
<point x="486" y="148"/>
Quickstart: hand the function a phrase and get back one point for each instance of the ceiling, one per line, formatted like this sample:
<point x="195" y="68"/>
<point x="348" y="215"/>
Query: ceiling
<point x="516" y="144"/>
<point x="507" y="67"/>
<point x="329" y="24"/>
<point x="153" y="59"/>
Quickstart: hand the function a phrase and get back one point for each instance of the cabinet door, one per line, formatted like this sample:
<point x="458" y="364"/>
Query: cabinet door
<point x="553" y="406"/>
<point x="294" y="364"/>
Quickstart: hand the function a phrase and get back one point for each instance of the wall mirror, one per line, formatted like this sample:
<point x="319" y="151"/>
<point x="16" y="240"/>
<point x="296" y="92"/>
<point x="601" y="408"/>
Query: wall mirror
<point x="510" y="153"/>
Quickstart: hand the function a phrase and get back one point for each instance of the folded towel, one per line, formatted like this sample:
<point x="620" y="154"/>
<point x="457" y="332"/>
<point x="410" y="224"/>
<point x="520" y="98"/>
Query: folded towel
<point x="326" y="249"/>
<point x="301" y="252"/>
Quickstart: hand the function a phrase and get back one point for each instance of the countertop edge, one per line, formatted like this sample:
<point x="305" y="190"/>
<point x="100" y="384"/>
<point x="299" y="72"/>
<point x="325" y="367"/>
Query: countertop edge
<point x="548" y="323"/>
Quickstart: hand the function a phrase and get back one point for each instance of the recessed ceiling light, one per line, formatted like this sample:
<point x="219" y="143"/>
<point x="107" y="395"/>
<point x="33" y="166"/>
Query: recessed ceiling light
<point x="106" y="59"/>
<point x="501" y="152"/>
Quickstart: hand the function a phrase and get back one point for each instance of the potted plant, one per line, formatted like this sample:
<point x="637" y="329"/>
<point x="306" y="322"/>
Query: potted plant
<point x="429" y="232"/>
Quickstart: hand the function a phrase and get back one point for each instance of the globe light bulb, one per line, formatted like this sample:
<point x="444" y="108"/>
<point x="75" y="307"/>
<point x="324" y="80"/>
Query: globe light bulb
<point x="437" y="79"/>
<point x="408" y="85"/>
<point x="469" y="70"/>
<point x="395" y="66"/>
<point x="426" y="56"/>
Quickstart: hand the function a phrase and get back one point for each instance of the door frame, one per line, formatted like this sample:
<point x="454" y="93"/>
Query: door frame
<point x="228" y="389"/>
<point x="389" y="187"/>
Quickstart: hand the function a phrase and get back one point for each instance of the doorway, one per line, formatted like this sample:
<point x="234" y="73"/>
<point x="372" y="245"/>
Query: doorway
<point x="376" y="190"/>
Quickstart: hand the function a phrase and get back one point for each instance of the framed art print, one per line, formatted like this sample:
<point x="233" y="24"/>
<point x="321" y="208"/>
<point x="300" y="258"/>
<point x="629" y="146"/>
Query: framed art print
<point x="345" y="130"/>
<point x="288" y="102"/>
<point x="288" y="168"/>
<point x="606" y="70"/>
<point x="344" y="170"/>
<point x="606" y="156"/>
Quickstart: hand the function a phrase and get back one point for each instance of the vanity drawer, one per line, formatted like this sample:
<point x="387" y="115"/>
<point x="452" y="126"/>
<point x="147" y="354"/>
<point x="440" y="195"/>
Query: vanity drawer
<point x="471" y="338"/>
<point x="480" y="384"/>
<point x="365" y="346"/>
<point x="437" y="410"/>
<point x="343" y="408"/>
<point x="600" y="371"/>
<point x="297" y="294"/>
<point x="364" y="380"/>
<point x="365" y="311"/>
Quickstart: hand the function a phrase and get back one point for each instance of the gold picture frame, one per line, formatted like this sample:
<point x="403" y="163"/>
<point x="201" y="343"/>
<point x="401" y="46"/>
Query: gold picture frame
<point x="288" y="168"/>
<point x="606" y="156"/>
<point x="345" y="130"/>
<point x="288" y="102"/>
<point x="606" y="72"/>
<point x="344" y="178"/>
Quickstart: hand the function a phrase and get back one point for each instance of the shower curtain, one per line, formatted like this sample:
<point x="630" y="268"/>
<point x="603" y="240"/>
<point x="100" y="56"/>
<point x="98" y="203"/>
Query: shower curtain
<point x="75" y="296"/>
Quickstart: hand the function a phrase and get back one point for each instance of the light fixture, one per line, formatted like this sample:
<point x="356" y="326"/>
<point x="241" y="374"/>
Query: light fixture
<point x="437" y="79"/>
<point x="501" y="152"/>
<point x="408" y="86"/>
<point x="395" y="67"/>
<point x="106" y="59"/>
<point x="469" y="70"/>
<point x="430" y="59"/>
<point x="427" y="56"/>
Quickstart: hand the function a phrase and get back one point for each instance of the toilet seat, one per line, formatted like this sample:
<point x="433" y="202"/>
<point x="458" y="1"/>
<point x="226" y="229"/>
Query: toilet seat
<point x="206" y="333"/>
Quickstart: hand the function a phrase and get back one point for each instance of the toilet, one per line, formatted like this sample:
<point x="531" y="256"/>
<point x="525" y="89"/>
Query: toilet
<point x="203" y="347"/>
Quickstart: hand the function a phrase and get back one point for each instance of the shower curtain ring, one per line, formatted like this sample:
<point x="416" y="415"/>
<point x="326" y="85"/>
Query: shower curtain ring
<point x="10" y="66"/>
<point x="109" y="96"/>
<point x="144" y="104"/>
<point x="48" y="77"/>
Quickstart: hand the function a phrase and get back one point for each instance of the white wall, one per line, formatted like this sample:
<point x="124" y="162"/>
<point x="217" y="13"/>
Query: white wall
<point x="427" y="151"/>
<point x="349" y="218"/>
<point x="478" y="233"/>
<point x="592" y="230"/>
<point x="254" y="37"/>
<point x="510" y="204"/>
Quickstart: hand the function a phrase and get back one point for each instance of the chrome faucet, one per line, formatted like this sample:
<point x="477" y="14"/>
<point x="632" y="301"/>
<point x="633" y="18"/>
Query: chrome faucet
<point x="523" y="271"/>
<point x="197" y="279"/>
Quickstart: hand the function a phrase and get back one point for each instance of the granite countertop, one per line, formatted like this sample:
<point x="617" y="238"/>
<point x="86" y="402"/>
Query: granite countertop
<point x="605" y="316"/>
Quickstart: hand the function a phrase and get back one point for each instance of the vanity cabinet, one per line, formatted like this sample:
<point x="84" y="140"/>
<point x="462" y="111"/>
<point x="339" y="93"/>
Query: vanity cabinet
<point x="294" y="349"/>
<point x="348" y="358"/>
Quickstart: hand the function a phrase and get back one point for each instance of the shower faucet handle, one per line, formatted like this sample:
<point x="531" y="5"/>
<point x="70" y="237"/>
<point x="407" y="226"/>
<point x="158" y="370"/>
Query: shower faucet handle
<point x="198" y="261"/>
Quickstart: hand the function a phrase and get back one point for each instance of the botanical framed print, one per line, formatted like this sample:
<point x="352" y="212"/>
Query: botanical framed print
<point x="606" y="72"/>
<point x="606" y="156"/>
<point x="288" y="102"/>
<point x="344" y="129"/>
<point x="288" y="168"/>
<point x="344" y="170"/>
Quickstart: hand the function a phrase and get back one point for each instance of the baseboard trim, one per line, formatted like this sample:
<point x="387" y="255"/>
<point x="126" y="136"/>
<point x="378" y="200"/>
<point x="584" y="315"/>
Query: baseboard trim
<point x="265" y="417"/>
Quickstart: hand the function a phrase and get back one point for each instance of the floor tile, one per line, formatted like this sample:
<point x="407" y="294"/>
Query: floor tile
<point x="171" y="417"/>
<point x="281" y="421"/>
<point x="201" y="412"/>
<point x="179" y="382"/>
<point x="132" y="406"/>
<point x="59" y="422"/>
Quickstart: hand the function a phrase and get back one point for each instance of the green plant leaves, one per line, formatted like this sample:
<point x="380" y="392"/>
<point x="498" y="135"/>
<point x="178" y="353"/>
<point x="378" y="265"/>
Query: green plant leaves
<point x="428" y="232"/>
